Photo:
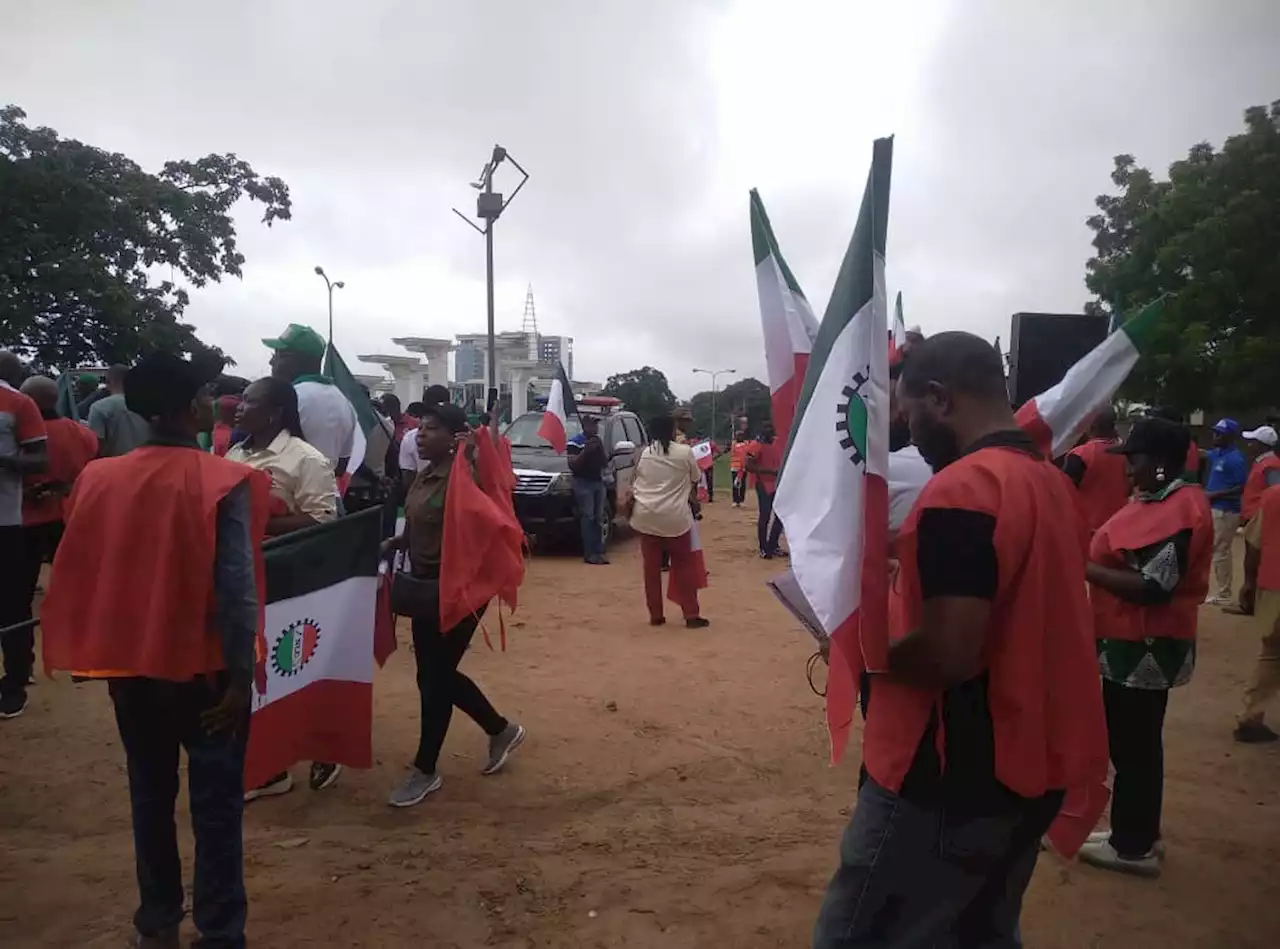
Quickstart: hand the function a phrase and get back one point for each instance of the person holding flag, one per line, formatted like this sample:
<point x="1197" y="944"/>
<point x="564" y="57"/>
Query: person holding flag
<point x="587" y="460"/>
<point x="303" y="494"/>
<point x="328" y="418"/>
<point x="763" y="462"/>
<point x="661" y="510"/>
<point x="179" y="661"/>
<point x="442" y="440"/>
<point x="987" y="707"/>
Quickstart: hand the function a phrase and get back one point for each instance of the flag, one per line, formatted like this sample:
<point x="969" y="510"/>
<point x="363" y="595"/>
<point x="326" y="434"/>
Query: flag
<point x="366" y="417"/>
<point x="560" y="406"/>
<point x="313" y="692"/>
<point x="1055" y="418"/>
<point x="786" y="318"/>
<point x="898" y="335"/>
<point x="704" y="454"/>
<point x="66" y="404"/>
<point x="483" y="551"/>
<point x="832" y="493"/>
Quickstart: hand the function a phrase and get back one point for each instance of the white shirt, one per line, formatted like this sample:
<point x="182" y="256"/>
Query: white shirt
<point x="908" y="474"/>
<point x="661" y="490"/>
<point x="328" y="422"/>
<point x="409" y="460"/>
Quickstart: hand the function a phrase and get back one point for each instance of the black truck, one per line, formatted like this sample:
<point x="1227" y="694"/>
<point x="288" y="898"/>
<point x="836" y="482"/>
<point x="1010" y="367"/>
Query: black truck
<point x="544" y="486"/>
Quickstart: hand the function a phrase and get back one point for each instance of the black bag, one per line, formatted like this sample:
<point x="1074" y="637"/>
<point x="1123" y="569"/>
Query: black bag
<point x="414" y="596"/>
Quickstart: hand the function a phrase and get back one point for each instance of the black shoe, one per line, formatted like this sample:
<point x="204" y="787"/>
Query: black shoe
<point x="697" y="622"/>
<point x="324" y="775"/>
<point x="13" y="705"/>
<point x="660" y="621"/>
<point x="1255" y="733"/>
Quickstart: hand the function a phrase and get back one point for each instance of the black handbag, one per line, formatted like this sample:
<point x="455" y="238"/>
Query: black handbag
<point x="414" y="596"/>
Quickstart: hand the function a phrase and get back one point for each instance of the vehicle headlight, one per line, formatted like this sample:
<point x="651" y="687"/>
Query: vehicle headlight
<point x="562" y="482"/>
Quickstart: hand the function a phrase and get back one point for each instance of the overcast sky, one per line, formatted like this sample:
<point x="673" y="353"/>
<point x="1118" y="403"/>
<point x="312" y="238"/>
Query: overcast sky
<point x="643" y="125"/>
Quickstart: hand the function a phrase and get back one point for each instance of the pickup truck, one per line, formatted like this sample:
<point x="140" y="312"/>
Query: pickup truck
<point x="544" y="487"/>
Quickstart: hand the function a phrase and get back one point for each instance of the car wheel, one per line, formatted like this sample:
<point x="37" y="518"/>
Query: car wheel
<point x="606" y="525"/>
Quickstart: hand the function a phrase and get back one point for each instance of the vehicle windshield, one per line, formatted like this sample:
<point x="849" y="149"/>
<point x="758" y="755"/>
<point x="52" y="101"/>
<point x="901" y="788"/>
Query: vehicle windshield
<point x="523" y="432"/>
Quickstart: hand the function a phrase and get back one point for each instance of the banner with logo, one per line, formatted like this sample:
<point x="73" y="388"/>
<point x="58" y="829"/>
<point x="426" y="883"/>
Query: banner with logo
<point x="313" y="691"/>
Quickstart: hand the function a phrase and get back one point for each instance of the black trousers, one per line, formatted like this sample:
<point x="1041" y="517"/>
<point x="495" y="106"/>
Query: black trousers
<point x="739" y="487"/>
<point x="768" y="527"/>
<point x="22" y="550"/>
<point x="1135" y="730"/>
<point x="441" y="686"/>
<point x="710" y="477"/>
<point x="156" y="720"/>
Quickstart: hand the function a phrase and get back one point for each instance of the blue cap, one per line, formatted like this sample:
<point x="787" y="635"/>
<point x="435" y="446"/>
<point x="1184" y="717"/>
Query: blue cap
<point x="1227" y="426"/>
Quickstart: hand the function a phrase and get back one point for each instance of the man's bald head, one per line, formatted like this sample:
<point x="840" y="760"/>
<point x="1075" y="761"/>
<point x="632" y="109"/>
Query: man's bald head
<point x="10" y="368"/>
<point x="43" y="391"/>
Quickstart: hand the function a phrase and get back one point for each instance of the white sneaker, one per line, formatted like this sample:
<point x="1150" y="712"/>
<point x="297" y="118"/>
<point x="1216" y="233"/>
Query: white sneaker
<point x="282" y="784"/>
<point x="1104" y="837"/>
<point x="1104" y="856"/>
<point x="1216" y="601"/>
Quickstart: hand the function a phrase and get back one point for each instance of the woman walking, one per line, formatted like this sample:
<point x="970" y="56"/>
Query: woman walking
<point x="438" y="652"/>
<point x="1149" y="572"/>
<point x="304" y="492"/>
<point x="664" y="497"/>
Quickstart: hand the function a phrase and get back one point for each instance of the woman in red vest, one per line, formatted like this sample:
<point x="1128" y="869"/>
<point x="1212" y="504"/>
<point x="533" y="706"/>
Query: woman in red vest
<point x="171" y="624"/>
<point x="990" y="708"/>
<point x="1149" y="571"/>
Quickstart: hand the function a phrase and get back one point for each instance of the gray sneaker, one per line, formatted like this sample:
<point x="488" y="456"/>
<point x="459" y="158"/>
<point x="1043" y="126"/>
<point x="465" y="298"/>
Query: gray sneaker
<point x="501" y="746"/>
<point x="415" y="789"/>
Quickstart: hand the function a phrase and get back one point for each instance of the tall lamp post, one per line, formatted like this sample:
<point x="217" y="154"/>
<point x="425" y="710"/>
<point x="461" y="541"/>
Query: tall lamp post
<point x="332" y="285"/>
<point x="714" y="373"/>
<point x="489" y="207"/>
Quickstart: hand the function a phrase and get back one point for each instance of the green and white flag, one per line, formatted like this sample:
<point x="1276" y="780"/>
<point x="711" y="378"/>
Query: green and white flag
<point x="832" y="494"/>
<point x="1055" y="418"/>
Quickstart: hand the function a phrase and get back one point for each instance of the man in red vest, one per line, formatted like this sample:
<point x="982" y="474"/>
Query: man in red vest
<point x="1261" y="597"/>
<point x="171" y="625"/>
<point x="1098" y="473"/>
<point x="991" y="707"/>
<point x="1264" y="470"/>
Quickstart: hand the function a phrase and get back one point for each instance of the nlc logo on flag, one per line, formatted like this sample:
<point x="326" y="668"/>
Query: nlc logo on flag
<point x="852" y="421"/>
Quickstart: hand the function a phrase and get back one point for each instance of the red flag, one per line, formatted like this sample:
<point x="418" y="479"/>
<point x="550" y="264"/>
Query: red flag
<point x="384" y="622"/>
<point x="482" y="556"/>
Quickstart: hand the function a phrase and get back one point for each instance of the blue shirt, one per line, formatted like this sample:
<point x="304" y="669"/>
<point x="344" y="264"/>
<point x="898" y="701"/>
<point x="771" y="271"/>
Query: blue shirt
<point x="1227" y="469"/>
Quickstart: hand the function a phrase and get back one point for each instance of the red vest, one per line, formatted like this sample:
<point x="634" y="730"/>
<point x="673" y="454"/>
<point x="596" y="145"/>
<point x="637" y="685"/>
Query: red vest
<point x="131" y="592"/>
<point x="1044" y="693"/>
<point x="1256" y="483"/>
<point x="1139" y="524"/>
<point x="1104" y="489"/>
<point x="1269" y="568"/>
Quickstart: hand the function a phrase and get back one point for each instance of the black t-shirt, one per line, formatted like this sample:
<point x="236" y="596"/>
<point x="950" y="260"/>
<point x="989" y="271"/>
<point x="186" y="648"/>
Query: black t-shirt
<point x="588" y="464"/>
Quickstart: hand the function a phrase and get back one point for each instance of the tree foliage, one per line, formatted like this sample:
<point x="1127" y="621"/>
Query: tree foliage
<point x="644" y="391"/>
<point x="87" y="240"/>
<point x="747" y="397"/>
<point x="1209" y="237"/>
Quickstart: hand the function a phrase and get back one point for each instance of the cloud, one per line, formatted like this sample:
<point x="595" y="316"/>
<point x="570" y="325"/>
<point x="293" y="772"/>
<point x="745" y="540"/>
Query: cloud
<point x="643" y="126"/>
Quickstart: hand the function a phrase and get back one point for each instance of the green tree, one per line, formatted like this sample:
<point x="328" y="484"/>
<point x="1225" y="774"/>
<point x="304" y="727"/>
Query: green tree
<point x="84" y="234"/>
<point x="644" y="391"/>
<point x="1209" y="237"/>
<point x="747" y="397"/>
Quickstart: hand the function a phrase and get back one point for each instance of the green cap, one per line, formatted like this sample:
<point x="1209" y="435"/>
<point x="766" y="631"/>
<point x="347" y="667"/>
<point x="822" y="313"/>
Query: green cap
<point x="298" y="339"/>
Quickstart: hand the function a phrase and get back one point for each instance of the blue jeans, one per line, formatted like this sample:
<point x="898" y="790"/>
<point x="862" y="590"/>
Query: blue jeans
<point x="589" y="496"/>
<point x="913" y="876"/>
<point x="156" y="719"/>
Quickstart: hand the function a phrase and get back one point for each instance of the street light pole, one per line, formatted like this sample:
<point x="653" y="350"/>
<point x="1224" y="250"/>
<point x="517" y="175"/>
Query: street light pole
<point x="331" y="284"/>
<point x="714" y="374"/>
<point x="489" y="207"/>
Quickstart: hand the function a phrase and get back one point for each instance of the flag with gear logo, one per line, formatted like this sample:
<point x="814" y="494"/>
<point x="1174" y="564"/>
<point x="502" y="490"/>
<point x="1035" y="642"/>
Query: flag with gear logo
<point x="832" y="494"/>
<point x="313" y="691"/>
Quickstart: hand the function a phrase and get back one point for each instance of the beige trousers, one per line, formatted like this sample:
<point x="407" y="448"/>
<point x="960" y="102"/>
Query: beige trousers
<point x="1224" y="533"/>
<point x="1265" y="682"/>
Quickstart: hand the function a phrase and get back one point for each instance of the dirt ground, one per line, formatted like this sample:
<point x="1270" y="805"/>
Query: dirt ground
<point x="673" y="793"/>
